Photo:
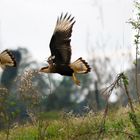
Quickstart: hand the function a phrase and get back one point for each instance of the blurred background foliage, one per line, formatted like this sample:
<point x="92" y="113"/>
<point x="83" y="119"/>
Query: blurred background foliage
<point x="24" y="90"/>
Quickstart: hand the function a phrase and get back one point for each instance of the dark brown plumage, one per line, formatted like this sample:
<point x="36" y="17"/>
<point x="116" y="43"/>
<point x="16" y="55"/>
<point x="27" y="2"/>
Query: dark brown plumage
<point x="59" y="61"/>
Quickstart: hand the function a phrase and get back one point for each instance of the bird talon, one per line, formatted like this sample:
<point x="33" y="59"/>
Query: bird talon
<point x="76" y="81"/>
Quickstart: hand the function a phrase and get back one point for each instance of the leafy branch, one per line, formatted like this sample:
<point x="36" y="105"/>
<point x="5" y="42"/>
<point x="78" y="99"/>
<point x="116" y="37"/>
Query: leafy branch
<point x="136" y="26"/>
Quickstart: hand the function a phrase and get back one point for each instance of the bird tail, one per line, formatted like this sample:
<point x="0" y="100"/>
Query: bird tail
<point x="80" y="66"/>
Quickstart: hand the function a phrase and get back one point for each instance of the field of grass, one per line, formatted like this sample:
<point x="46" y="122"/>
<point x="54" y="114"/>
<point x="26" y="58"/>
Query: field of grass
<point x="120" y="124"/>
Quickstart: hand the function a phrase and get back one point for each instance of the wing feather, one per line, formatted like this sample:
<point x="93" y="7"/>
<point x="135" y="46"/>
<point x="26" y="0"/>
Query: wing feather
<point x="60" y="42"/>
<point x="7" y="59"/>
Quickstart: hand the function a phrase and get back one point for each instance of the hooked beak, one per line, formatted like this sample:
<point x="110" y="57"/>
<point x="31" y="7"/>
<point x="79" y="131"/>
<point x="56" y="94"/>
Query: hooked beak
<point x="40" y="70"/>
<point x="44" y="69"/>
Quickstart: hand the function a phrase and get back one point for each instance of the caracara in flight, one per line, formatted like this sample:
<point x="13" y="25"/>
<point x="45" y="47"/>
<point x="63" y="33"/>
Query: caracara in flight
<point x="59" y="61"/>
<point x="7" y="59"/>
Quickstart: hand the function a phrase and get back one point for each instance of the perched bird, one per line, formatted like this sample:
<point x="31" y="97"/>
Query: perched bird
<point x="59" y="61"/>
<point x="7" y="59"/>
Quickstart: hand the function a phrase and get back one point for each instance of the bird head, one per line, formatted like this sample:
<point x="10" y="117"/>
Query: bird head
<point x="50" y="60"/>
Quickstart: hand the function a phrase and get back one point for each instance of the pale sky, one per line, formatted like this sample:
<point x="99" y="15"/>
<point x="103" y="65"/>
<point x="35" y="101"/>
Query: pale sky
<point x="30" y="23"/>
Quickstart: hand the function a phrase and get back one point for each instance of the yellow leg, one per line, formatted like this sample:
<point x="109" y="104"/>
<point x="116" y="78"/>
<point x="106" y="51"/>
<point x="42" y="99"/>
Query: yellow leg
<point x="76" y="81"/>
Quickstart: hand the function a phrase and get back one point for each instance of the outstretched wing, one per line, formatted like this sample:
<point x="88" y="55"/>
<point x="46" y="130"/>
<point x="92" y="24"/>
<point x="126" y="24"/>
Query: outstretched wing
<point x="60" y="42"/>
<point x="7" y="59"/>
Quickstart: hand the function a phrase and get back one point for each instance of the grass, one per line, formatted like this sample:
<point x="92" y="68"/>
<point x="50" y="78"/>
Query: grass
<point x="118" y="126"/>
<point x="109" y="124"/>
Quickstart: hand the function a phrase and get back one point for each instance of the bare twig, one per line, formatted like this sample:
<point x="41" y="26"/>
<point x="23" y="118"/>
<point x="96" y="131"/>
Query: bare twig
<point x="109" y="91"/>
<point x="125" y="83"/>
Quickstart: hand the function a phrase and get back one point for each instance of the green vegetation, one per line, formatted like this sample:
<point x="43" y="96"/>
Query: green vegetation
<point x="118" y="126"/>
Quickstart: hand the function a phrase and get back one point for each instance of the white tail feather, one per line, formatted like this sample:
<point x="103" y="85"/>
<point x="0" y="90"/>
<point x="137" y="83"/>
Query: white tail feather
<point x="80" y="66"/>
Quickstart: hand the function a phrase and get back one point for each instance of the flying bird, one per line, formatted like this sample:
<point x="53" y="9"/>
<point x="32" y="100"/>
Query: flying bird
<point x="59" y="61"/>
<point x="7" y="59"/>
